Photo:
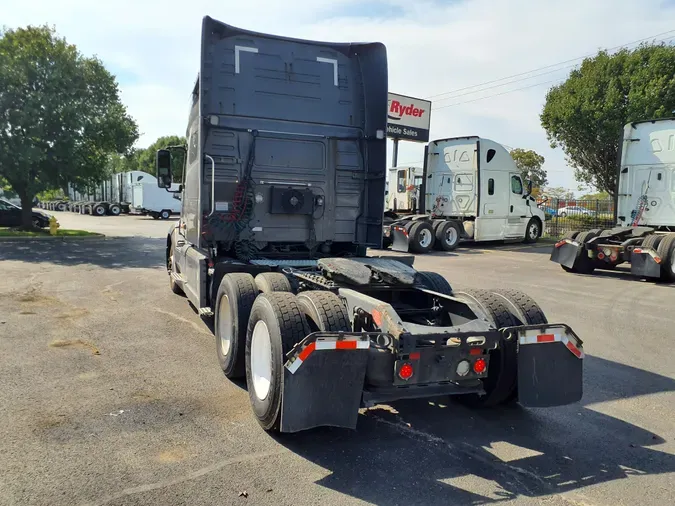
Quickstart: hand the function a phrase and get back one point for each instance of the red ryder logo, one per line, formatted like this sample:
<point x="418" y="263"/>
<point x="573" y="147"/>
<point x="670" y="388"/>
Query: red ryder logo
<point x="397" y="110"/>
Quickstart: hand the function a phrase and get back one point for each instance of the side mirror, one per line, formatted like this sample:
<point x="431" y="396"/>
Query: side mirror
<point x="529" y="189"/>
<point x="163" y="162"/>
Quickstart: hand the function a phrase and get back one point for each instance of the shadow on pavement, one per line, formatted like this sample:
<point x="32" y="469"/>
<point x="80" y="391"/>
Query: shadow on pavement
<point x="439" y="452"/>
<point x="112" y="253"/>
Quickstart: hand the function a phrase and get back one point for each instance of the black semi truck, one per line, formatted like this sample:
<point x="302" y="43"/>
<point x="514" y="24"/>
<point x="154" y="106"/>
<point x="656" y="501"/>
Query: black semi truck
<point x="282" y="196"/>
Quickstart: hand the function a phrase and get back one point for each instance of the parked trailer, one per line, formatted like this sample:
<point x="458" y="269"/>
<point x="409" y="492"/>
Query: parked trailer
<point x="148" y="199"/>
<point x="282" y="198"/>
<point x="644" y="210"/>
<point x="472" y="190"/>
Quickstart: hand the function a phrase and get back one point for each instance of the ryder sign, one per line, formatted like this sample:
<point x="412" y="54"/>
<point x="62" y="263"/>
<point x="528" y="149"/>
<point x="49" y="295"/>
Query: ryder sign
<point x="408" y="118"/>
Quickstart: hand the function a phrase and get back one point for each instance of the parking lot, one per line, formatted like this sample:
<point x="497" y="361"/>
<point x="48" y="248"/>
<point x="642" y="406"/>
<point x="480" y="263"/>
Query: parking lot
<point x="112" y="395"/>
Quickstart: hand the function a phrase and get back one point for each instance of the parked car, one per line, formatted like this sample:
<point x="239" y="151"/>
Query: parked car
<point x="574" y="211"/>
<point x="10" y="216"/>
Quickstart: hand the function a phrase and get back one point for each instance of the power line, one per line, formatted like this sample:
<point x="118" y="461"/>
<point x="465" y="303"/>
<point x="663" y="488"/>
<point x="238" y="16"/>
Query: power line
<point x="547" y="67"/>
<point x="508" y="91"/>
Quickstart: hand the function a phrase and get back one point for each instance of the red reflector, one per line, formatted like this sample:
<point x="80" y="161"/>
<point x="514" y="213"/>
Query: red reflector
<point x="637" y="250"/>
<point x="415" y="355"/>
<point x="476" y="351"/>
<point x="345" y="345"/>
<point x="377" y="317"/>
<point x="573" y="349"/>
<point x="657" y="260"/>
<point x="559" y="243"/>
<point x="601" y="255"/>
<point x="479" y="366"/>
<point x="406" y="371"/>
<point x="545" y="338"/>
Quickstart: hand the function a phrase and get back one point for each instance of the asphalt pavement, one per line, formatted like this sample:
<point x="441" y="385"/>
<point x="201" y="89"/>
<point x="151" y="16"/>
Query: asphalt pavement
<point x="112" y="394"/>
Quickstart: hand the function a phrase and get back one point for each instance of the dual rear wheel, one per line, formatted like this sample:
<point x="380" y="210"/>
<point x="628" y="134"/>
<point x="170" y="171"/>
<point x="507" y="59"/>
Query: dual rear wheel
<point x="257" y="322"/>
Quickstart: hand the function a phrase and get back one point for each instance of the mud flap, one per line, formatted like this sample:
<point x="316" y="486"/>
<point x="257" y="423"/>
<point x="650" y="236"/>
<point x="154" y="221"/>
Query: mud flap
<point x="566" y="252"/>
<point x="550" y="365"/>
<point x="400" y="239"/>
<point x="643" y="263"/>
<point x="323" y="383"/>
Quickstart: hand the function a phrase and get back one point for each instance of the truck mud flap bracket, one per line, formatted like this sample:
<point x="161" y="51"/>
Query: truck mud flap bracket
<point x="645" y="262"/>
<point x="566" y="252"/>
<point x="323" y="381"/>
<point x="550" y="365"/>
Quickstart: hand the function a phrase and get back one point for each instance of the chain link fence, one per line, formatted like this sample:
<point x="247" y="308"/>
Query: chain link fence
<point x="564" y="215"/>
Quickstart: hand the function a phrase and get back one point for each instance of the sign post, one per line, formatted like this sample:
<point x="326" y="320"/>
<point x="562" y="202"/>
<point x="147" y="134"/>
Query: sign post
<point x="409" y="119"/>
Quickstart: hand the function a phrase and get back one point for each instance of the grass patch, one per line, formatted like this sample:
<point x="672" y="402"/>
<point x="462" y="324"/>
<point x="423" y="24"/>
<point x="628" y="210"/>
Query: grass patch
<point x="15" y="232"/>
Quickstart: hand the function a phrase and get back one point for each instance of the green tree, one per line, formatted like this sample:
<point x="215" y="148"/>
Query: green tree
<point x="585" y="115"/>
<point x="558" y="192"/>
<point x="60" y="115"/>
<point x="530" y="164"/>
<point x="146" y="157"/>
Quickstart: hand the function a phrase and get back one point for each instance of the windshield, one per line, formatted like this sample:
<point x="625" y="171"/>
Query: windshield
<point x="9" y="204"/>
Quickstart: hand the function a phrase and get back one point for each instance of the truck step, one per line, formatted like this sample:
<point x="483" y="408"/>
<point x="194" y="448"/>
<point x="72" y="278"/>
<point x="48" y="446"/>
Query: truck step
<point x="205" y="311"/>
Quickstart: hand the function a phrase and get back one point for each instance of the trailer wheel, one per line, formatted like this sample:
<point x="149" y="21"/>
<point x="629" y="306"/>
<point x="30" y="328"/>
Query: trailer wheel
<point x="324" y="311"/>
<point x="276" y="324"/>
<point x="666" y="251"/>
<point x="533" y="231"/>
<point x="501" y="381"/>
<point x="421" y="237"/>
<point x="434" y="281"/>
<point x="115" y="210"/>
<point x="99" y="210"/>
<point x="447" y="235"/>
<point x="268" y="282"/>
<point x="61" y="206"/>
<point x="165" y="214"/>
<point x="235" y="298"/>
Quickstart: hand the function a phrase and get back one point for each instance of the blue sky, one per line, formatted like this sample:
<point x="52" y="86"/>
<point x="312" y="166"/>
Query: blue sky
<point x="434" y="47"/>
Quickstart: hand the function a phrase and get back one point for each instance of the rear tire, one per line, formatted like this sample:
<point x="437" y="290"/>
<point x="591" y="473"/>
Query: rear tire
<point x="447" y="235"/>
<point x="235" y="298"/>
<point x="421" y="237"/>
<point x="165" y="214"/>
<point x="502" y="378"/>
<point x="115" y="210"/>
<point x="99" y="210"/>
<point x="324" y="311"/>
<point x="666" y="251"/>
<point x="275" y="325"/>
<point x="434" y="281"/>
<point x="584" y="264"/>
<point x="268" y="282"/>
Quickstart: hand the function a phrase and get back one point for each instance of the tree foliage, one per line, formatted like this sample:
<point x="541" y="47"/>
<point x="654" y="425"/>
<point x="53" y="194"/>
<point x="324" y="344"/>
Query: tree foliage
<point x="146" y="157"/>
<point x="558" y="192"/>
<point x="530" y="164"/>
<point x="585" y="115"/>
<point x="60" y="115"/>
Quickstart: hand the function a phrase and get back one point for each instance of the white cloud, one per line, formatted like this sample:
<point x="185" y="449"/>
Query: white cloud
<point x="436" y="46"/>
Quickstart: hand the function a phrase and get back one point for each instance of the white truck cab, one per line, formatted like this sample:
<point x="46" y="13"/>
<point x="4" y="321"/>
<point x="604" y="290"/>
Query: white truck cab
<point x="403" y="188"/>
<point x="476" y="181"/>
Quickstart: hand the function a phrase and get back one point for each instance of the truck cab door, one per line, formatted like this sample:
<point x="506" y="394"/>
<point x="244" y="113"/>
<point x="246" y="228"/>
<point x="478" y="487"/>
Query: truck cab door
<point x="519" y="212"/>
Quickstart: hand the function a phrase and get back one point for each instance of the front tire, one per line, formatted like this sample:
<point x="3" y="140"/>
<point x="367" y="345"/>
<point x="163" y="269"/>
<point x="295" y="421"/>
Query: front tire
<point x="235" y="298"/>
<point x="276" y="324"/>
<point x="533" y="231"/>
<point x="171" y="261"/>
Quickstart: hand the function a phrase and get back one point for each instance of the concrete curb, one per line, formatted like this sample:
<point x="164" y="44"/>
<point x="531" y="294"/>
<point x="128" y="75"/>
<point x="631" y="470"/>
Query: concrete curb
<point x="54" y="238"/>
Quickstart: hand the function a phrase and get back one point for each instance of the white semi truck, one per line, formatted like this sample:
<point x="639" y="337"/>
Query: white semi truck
<point x="644" y="210"/>
<point x="472" y="190"/>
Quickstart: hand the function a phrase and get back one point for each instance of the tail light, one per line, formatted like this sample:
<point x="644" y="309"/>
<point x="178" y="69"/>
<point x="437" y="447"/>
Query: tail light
<point x="479" y="366"/>
<point x="406" y="371"/>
